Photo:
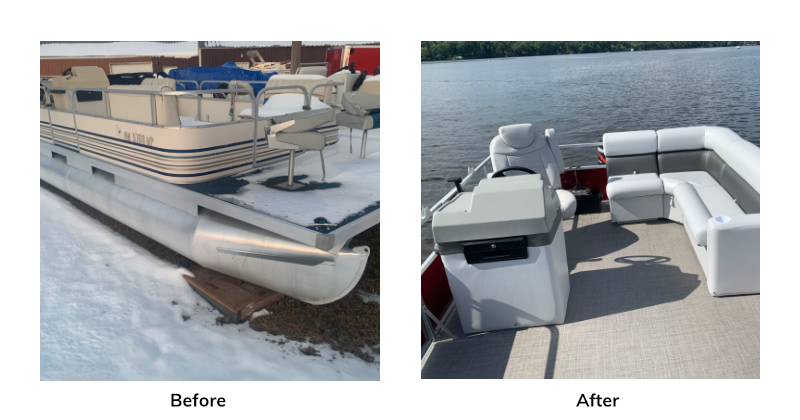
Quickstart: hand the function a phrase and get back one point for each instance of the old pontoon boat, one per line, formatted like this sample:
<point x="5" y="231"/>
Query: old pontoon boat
<point x="209" y="177"/>
<point x="662" y="256"/>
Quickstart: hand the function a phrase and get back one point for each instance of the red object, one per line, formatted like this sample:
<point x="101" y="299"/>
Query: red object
<point x="585" y="178"/>
<point x="365" y="57"/>
<point x="435" y="290"/>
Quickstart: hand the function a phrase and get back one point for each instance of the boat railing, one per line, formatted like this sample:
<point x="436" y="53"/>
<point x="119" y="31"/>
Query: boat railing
<point x="255" y="100"/>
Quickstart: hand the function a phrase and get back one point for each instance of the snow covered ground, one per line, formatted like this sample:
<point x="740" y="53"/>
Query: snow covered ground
<point x="110" y="310"/>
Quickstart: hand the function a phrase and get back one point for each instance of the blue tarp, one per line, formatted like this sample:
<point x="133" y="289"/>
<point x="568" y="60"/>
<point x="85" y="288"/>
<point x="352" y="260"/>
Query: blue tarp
<point x="227" y="71"/>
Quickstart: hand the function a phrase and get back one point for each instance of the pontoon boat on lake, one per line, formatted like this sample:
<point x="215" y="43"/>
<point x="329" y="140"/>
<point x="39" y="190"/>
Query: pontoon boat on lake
<point x="224" y="181"/>
<point x="645" y="266"/>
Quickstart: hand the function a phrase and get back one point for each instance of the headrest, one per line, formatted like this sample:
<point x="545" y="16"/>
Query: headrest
<point x="626" y="143"/>
<point x="517" y="136"/>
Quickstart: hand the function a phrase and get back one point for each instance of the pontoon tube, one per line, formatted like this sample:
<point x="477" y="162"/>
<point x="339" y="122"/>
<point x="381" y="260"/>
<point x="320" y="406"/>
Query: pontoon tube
<point x="216" y="241"/>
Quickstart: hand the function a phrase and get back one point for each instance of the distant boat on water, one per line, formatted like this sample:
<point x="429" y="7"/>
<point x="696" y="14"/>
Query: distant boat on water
<point x="738" y="47"/>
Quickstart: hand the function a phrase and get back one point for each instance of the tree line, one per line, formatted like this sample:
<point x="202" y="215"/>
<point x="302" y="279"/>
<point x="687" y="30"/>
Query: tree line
<point x="454" y="50"/>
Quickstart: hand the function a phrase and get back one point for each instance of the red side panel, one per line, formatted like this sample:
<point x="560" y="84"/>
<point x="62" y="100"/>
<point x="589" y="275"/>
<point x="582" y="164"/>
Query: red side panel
<point x="333" y="58"/>
<point x="435" y="289"/>
<point x="366" y="58"/>
<point x="585" y="178"/>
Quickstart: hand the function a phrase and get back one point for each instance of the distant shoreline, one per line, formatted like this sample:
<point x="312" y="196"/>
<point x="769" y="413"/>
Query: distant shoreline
<point x="457" y="60"/>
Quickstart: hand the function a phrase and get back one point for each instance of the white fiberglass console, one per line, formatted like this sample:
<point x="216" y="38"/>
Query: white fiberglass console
<point x="503" y="250"/>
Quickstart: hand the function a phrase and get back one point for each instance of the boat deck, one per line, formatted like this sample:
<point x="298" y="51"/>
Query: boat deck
<point x="351" y="188"/>
<point x="638" y="308"/>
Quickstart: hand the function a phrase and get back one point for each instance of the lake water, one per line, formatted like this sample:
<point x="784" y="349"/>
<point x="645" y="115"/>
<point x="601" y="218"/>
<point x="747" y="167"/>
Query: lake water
<point x="582" y="96"/>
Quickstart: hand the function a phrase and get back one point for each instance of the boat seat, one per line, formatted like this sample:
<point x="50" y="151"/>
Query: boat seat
<point x="347" y="80"/>
<point x="635" y="197"/>
<point x="521" y="145"/>
<point x="300" y="131"/>
<point x="135" y="107"/>
<point x="361" y="111"/>
<point x="710" y="180"/>
<point x="81" y="77"/>
<point x="695" y="213"/>
<point x="371" y="85"/>
<point x="716" y="199"/>
<point x="305" y="120"/>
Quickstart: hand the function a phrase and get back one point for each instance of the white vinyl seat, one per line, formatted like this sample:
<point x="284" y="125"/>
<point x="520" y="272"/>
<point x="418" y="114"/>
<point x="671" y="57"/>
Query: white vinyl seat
<point x="635" y="197"/>
<point x="520" y="145"/>
<point x="709" y="181"/>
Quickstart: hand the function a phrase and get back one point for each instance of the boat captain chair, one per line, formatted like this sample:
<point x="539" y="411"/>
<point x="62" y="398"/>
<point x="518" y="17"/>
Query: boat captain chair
<point x="298" y="131"/>
<point x="520" y="145"/>
<point x="362" y="111"/>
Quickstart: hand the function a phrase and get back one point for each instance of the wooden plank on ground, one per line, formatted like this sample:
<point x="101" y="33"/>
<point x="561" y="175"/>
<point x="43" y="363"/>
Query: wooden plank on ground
<point x="235" y="298"/>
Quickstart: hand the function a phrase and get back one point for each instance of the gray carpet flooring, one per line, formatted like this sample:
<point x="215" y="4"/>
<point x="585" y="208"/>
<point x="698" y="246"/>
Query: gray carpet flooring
<point x="638" y="308"/>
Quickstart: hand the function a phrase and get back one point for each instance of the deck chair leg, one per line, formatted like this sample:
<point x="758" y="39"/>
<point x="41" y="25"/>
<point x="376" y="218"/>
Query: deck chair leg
<point x="351" y="141"/>
<point x="322" y="159"/>
<point x="291" y="167"/>
<point x="364" y="144"/>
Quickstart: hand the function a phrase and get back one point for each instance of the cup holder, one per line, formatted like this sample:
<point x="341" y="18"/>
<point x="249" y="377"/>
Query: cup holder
<point x="722" y="219"/>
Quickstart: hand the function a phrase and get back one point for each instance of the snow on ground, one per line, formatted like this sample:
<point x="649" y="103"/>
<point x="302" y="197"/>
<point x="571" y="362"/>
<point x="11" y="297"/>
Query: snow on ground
<point x="110" y="310"/>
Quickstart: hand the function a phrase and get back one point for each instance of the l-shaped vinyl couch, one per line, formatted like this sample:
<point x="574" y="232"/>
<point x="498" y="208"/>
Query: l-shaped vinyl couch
<point x="708" y="179"/>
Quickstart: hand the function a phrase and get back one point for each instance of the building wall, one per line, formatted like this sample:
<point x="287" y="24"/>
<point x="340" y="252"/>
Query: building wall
<point x="54" y="66"/>
<point x="219" y="56"/>
<point x="210" y="57"/>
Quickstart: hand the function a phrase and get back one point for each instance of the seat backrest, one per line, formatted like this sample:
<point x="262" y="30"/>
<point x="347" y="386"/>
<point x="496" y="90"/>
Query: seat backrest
<point x="733" y="161"/>
<point x="135" y="107"/>
<point x="81" y="77"/>
<point x="372" y="85"/>
<point x="521" y="145"/>
<point x="347" y="79"/>
<point x="630" y="152"/>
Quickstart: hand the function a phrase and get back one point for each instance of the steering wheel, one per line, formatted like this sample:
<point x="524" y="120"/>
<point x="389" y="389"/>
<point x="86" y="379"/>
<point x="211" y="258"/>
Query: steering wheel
<point x="501" y="173"/>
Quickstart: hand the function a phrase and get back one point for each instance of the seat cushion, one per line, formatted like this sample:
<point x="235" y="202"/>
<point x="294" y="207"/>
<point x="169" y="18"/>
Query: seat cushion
<point x="306" y="120"/>
<point x="568" y="203"/>
<point x="695" y="213"/>
<point x="635" y="185"/>
<point x="369" y="122"/>
<point x="694" y="178"/>
<point x="714" y="197"/>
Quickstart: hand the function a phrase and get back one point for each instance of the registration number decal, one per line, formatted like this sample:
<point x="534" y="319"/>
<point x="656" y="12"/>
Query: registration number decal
<point x="138" y="138"/>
